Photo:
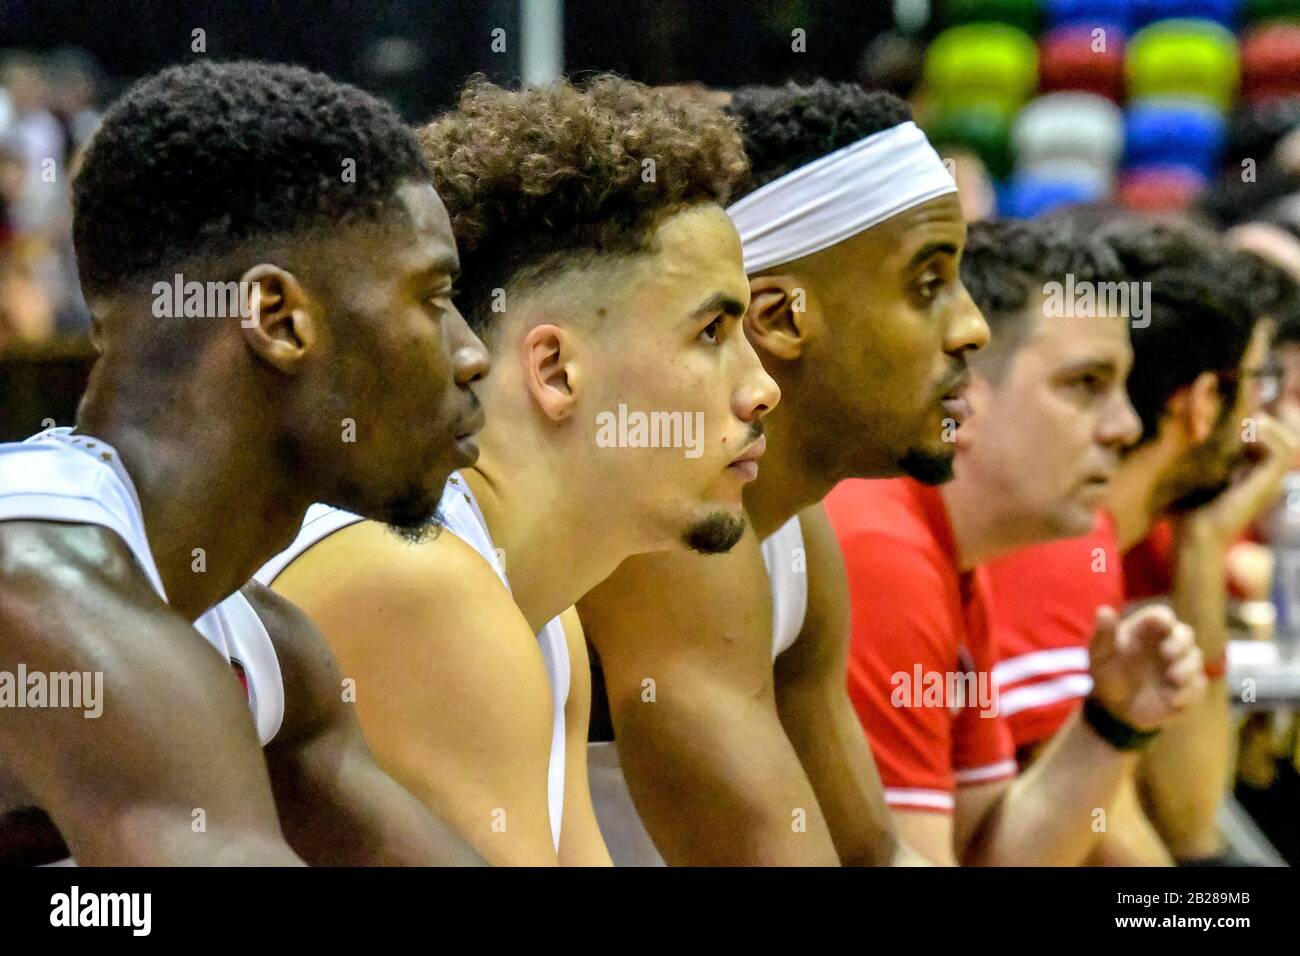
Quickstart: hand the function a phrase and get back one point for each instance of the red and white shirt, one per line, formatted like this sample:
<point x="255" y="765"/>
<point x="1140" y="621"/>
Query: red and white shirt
<point x="922" y="657"/>
<point x="1045" y="600"/>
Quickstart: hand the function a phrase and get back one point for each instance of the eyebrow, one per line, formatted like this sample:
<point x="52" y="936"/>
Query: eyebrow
<point x="720" y="302"/>
<point x="930" y="249"/>
<point x="1108" y="365"/>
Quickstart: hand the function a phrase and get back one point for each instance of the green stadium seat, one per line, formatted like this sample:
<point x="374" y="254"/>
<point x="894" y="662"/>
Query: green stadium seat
<point x="1186" y="58"/>
<point x="987" y="61"/>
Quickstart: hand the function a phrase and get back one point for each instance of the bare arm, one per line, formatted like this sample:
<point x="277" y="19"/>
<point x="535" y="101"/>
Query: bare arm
<point x="818" y="717"/>
<point x="337" y="807"/>
<point x="686" y="643"/>
<point x="451" y="690"/>
<point x="1127" y="837"/>
<point x="174" y="736"/>
<point x="1185" y="773"/>
<point x="1145" y="671"/>
<point x="1043" y="818"/>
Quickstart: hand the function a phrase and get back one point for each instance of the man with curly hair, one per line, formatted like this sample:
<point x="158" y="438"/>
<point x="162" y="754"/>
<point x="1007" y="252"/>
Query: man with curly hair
<point x="201" y="441"/>
<point x="626" y="416"/>
<point x="853" y="239"/>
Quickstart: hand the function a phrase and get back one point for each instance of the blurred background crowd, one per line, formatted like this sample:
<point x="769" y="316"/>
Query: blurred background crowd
<point x="1184" y="106"/>
<point x="1171" y="107"/>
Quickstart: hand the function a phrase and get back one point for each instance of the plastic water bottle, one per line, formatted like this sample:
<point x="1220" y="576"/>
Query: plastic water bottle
<point x="1286" y="566"/>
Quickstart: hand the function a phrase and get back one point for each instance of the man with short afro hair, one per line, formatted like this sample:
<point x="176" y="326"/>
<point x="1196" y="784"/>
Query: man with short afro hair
<point x="269" y="325"/>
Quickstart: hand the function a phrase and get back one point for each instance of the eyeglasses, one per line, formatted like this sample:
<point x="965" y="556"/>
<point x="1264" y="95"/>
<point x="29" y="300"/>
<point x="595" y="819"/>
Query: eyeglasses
<point x="1267" y="378"/>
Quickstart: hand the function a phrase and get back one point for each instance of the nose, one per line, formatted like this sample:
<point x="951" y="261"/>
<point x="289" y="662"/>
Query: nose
<point x="1119" y="424"/>
<point x="758" y="393"/>
<point x="967" y="330"/>
<point x="469" y="356"/>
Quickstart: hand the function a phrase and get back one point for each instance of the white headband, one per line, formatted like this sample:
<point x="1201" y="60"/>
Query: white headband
<point x="838" y="196"/>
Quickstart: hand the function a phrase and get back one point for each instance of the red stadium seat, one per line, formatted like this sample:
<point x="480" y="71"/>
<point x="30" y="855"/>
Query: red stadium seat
<point x="1160" y="189"/>
<point x="1067" y="61"/>
<point x="1270" y="62"/>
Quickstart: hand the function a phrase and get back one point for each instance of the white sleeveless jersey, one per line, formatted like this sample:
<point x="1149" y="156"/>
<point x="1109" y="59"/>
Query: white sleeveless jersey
<point x="462" y="517"/>
<point x="78" y="479"/>
<point x="625" y="835"/>
<point x="788" y="578"/>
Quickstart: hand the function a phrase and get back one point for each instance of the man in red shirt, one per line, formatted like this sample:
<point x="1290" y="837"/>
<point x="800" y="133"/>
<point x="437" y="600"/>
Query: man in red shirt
<point x="1049" y="419"/>
<point x="1201" y="419"/>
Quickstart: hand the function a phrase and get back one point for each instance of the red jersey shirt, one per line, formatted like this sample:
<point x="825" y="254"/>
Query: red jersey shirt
<point x="921" y="660"/>
<point x="1045" y="601"/>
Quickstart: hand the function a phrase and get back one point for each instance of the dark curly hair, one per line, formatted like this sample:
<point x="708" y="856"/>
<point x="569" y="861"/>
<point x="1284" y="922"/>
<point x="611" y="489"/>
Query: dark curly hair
<point x="1006" y="266"/>
<point x="1269" y="289"/>
<point x="785" y="127"/>
<point x="1201" y="317"/>
<point x="550" y="177"/>
<point x="197" y="160"/>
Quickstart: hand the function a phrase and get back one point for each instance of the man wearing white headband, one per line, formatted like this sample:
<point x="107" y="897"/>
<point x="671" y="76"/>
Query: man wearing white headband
<point x="852" y="240"/>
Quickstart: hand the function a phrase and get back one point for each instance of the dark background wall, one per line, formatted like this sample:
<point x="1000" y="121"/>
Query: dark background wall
<point x="440" y="42"/>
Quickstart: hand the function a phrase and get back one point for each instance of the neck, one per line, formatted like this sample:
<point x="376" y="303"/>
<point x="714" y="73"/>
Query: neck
<point x="785" y="485"/>
<point x="203" y="483"/>
<point x="557" y="545"/>
<point x="980" y="532"/>
<point x="1133" y="497"/>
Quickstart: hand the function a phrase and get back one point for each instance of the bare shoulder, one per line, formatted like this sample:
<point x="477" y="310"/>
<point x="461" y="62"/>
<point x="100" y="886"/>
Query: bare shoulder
<point x="432" y="614"/>
<point x="369" y="556"/>
<point x="365" y="574"/>
<point x="73" y="594"/>
<point x="73" y="600"/>
<point x="38" y="558"/>
<point x="685" y="612"/>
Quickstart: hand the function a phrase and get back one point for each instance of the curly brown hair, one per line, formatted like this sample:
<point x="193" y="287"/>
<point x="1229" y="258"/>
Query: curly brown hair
<point x="548" y="178"/>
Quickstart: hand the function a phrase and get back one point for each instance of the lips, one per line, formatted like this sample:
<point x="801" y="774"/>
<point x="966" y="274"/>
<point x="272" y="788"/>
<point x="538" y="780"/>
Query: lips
<point x="471" y="425"/>
<point x="958" y="409"/>
<point x="745" y="466"/>
<point x="464" y="436"/>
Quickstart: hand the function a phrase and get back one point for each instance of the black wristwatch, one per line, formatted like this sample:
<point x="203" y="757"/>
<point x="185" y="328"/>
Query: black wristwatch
<point x="1118" y="733"/>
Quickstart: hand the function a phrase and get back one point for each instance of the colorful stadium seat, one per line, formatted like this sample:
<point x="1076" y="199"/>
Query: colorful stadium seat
<point x="1027" y="196"/>
<point x="1021" y="14"/>
<point x="1080" y="127"/>
<point x="1270" y="61"/>
<point x="1160" y="189"/>
<point x="1171" y="133"/>
<point x="1223" y="12"/>
<point x="1100" y="179"/>
<point x="983" y="129"/>
<point x="982" y="61"/>
<point x="1260" y="11"/>
<point x="1076" y="58"/>
<point x="1089" y="13"/>
<point x="1194" y="58"/>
